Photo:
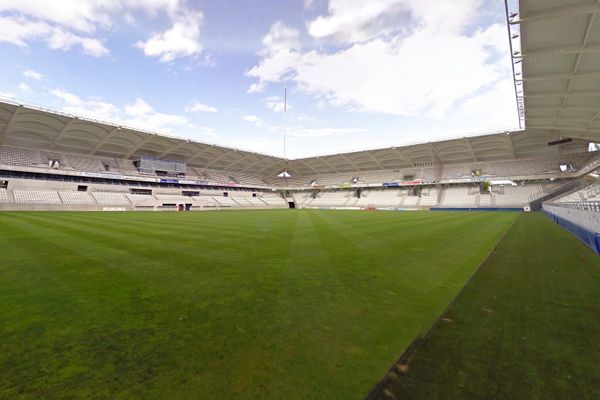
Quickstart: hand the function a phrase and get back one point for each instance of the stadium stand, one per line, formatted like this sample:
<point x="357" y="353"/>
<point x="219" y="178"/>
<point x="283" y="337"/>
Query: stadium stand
<point x="273" y="200"/>
<point x="458" y="196"/>
<point x="429" y="197"/>
<point x="519" y="195"/>
<point x="588" y="193"/>
<point x="142" y="200"/>
<point x="173" y="199"/>
<point x="332" y="199"/>
<point x="445" y="174"/>
<point x="19" y="157"/>
<point x="36" y="197"/>
<point x="85" y="163"/>
<point x="225" y="201"/>
<point x="111" y="198"/>
<point x="380" y="198"/>
<point x="3" y="196"/>
<point x="76" y="197"/>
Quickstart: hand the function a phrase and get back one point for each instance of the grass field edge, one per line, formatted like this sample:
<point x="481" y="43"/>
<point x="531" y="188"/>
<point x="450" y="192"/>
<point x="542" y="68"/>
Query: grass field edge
<point x="421" y="338"/>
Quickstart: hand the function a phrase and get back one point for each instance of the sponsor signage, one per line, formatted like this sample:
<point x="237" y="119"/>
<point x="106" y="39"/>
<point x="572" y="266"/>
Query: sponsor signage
<point x="404" y="183"/>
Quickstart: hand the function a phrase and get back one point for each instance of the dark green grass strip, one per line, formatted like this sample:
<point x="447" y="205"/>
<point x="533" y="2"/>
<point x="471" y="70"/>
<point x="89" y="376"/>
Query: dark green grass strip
<point x="276" y="304"/>
<point x="526" y="326"/>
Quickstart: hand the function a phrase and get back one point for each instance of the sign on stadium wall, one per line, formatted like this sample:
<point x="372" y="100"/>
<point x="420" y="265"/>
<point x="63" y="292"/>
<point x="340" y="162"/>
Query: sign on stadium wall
<point x="414" y="182"/>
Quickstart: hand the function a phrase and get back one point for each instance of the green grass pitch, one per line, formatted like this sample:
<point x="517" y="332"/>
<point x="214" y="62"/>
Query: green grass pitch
<point x="214" y="305"/>
<point x="525" y="327"/>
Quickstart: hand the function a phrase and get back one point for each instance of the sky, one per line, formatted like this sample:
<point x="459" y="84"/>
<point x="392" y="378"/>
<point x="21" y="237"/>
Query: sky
<point x="359" y="74"/>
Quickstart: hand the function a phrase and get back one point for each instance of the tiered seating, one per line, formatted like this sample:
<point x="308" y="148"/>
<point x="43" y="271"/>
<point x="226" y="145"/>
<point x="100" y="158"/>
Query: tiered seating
<point x="410" y="201"/>
<point x="571" y="198"/>
<point x="458" y="196"/>
<point x="519" y="195"/>
<point x="381" y="198"/>
<point x="377" y="176"/>
<point x="456" y="171"/>
<point x="81" y="163"/>
<point x="142" y="199"/>
<point x="76" y="197"/>
<point x="245" y="199"/>
<point x="217" y="176"/>
<point x="332" y="199"/>
<point x="429" y="173"/>
<point x="205" y="201"/>
<point x="301" y="198"/>
<point x="334" y="179"/>
<point x="173" y="198"/>
<point x="3" y="196"/>
<point x="429" y="197"/>
<point x="111" y="199"/>
<point x="20" y="157"/>
<point x="113" y="164"/>
<point x="198" y="173"/>
<point x="225" y="201"/>
<point x="256" y="201"/>
<point x="588" y="193"/>
<point x="249" y="180"/>
<point x="36" y="197"/>
<point x="273" y="200"/>
<point x="46" y="156"/>
<point x="127" y="166"/>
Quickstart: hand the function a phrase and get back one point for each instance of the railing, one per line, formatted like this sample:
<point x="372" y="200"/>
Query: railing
<point x="579" y="205"/>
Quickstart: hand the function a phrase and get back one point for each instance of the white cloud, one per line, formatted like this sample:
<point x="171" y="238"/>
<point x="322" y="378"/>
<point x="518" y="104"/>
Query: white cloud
<point x="281" y="37"/>
<point x="23" y="87"/>
<point x="206" y="131"/>
<point x="308" y="3"/>
<point x="181" y="40"/>
<point x="281" y="46"/>
<point x="276" y="103"/>
<point x="352" y="21"/>
<point x="7" y="95"/>
<point x="424" y="72"/>
<point x="320" y="132"/>
<point x="29" y="73"/>
<point x="20" y="31"/>
<point x="87" y="15"/>
<point x="61" y="40"/>
<point x="251" y="118"/>
<point x="259" y="123"/>
<point x="142" y="114"/>
<point x="93" y="107"/>
<point x="79" y="15"/>
<point x="138" y="107"/>
<point x="137" y="113"/>
<point x="264" y="144"/>
<point x="200" y="107"/>
<point x="69" y="23"/>
<point x="274" y="67"/>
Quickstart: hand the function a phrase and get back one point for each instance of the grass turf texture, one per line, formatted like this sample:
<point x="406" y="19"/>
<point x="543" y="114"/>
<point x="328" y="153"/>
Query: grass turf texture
<point x="525" y="327"/>
<point x="245" y="304"/>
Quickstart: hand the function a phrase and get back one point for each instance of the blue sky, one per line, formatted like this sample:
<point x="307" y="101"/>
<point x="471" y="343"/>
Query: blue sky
<point x="360" y="74"/>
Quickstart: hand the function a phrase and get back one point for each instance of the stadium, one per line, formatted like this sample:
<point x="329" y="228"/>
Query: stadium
<point x="146" y="265"/>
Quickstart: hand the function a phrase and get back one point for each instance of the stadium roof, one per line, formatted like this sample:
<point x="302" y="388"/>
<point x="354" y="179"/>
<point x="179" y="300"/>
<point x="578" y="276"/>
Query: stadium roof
<point x="25" y="126"/>
<point x="560" y="62"/>
<point x="556" y="53"/>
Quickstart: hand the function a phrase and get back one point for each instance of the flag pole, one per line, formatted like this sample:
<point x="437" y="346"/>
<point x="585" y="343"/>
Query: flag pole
<point x="284" y="121"/>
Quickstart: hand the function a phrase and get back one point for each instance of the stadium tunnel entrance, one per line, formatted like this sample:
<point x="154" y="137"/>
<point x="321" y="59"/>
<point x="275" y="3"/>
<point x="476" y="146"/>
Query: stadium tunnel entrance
<point x="291" y="204"/>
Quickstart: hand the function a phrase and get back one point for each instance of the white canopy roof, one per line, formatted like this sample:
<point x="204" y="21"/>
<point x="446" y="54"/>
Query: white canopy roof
<point x="557" y="67"/>
<point x="560" y="61"/>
